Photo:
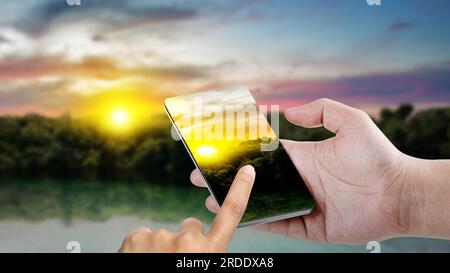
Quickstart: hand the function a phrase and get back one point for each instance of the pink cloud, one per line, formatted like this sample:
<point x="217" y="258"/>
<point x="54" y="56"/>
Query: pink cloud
<point x="429" y="86"/>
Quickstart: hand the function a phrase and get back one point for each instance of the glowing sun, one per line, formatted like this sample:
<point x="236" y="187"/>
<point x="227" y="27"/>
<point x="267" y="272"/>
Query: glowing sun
<point x="120" y="117"/>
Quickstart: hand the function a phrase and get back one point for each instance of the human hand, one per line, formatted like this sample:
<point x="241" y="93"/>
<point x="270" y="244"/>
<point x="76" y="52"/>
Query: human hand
<point x="355" y="177"/>
<point x="190" y="237"/>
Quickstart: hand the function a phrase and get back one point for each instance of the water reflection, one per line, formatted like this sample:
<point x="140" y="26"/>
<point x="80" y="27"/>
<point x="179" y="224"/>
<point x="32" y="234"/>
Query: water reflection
<point x="36" y="199"/>
<point x="43" y="214"/>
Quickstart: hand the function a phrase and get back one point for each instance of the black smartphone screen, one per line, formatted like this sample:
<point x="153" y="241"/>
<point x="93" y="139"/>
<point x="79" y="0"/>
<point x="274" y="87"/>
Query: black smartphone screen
<point x="224" y="130"/>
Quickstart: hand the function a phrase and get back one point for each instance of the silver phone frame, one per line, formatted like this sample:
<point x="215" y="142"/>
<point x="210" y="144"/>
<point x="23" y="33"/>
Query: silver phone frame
<point x="242" y="224"/>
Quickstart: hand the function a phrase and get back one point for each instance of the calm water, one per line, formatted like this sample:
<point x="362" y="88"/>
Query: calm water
<point x="43" y="215"/>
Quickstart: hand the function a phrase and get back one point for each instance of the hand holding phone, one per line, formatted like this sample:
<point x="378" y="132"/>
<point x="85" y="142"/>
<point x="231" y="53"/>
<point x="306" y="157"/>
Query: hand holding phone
<point x="359" y="180"/>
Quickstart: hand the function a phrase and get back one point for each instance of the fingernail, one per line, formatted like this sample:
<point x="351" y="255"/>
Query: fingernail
<point x="248" y="169"/>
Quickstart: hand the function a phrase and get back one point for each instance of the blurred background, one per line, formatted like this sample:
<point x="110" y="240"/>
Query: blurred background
<point x="85" y="148"/>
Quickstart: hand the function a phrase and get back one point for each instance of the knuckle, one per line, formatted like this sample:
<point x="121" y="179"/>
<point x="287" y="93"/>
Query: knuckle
<point x="161" y="233"/>
<point x="137" y="235"/>
<point x="192" y="220"/>
<point x="363" y="116"/>
<point x="234" y="207"/>
<point x="186" y="236"/>
<point x="324" y="101"/>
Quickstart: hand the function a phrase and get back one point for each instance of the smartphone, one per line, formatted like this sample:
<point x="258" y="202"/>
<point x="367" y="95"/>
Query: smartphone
<point x="224" y="130"/>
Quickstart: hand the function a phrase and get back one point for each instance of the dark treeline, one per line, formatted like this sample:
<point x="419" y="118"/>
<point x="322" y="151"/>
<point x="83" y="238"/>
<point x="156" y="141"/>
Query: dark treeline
<point x="36" y="144"/>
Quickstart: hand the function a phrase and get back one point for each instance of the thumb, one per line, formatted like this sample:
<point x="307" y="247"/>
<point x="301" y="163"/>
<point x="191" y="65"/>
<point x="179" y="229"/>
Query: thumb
<point x="331" y="114"/>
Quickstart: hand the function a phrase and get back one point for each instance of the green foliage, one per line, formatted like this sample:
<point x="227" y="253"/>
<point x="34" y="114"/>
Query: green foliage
<point x="426" y="134"/>
<point x="33" y="143"/>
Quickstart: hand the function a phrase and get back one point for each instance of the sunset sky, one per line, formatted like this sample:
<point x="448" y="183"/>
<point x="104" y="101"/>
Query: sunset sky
<point x="56" y="58"/>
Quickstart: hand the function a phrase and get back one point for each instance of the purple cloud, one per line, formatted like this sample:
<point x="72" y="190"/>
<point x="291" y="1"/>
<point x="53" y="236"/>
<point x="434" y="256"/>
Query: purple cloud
<point x="426" y="85"/>
<point x="400" y="24"/>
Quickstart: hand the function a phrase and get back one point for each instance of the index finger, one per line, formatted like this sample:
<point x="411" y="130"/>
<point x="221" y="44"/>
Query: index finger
<point x="234" y="205"/>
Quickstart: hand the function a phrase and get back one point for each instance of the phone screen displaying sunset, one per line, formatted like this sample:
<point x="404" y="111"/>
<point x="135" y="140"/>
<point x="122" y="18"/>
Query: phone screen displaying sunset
<point x="224" y="130"/>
